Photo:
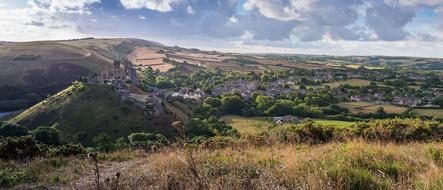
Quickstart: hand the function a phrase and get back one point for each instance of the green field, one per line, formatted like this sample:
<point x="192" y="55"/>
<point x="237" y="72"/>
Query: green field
<point x="253" y="124"/>
<point x="246" y="124"/>
<point x="366" y="107"/>
<point x="437" y="113"/>
<point x="339" y="124"/>
<point x="352" y="82"/>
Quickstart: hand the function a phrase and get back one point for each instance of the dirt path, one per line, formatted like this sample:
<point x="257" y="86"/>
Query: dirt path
<point x="107" y="171"/>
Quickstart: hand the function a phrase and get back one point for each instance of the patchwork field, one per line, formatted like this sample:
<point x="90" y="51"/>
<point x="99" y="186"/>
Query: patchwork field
<point x="366" y="107"/>
<point x="437" y="113"/>
<point x="146" y="57"/>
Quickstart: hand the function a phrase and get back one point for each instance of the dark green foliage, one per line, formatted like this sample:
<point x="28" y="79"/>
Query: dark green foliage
<point x="282" y="107"/>
<point x="147" y="139"/>
<point x="47" y="135"/>
<point x="103" y="142"/>
<point x="67" y="150"/>
<point x="9" y="129"/>
<point x="398" y="130"/>
<point x="13" y="176"/>
<point x="18" y="148"/>
<point x="232" y="105"/>
<point x="208" y="128"/>
<point x="439" y="102"/>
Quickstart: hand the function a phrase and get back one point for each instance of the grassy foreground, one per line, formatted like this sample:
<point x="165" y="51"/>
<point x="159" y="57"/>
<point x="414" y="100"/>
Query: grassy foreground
<point x="351" y="165"/>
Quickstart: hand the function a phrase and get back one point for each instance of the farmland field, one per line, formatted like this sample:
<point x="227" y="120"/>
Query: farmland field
<point x="438" y="113"/>
<point x="339" y="124"/>
<point x="366" y="107"/>
<point x="146" y="57"/>
<point x="352" y="82"/>
<point x="253" y="124"/>
<point x="246" y="124"/>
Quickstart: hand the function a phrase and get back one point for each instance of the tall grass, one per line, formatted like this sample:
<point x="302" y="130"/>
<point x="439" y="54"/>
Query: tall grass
<point x="352" y="165"/>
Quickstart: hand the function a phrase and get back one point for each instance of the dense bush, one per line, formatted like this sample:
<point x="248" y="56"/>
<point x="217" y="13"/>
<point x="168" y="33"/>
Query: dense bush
<point x="9" y="129"/>
<point x="47" y="135"/>
<point x="147" y="139"/>
<point x="18" y="148"/>
<point x="208" y="128"/>
<point x="103" y="142"/>
<point x="398" y="130"/>
<point x="67" y="150"/>
<point x="393" y="130"/>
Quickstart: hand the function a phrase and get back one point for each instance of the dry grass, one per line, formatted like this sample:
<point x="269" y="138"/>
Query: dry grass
<point x="351" y="165"/>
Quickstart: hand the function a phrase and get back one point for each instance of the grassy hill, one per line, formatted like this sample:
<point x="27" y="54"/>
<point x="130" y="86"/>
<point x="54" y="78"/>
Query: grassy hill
<point x="31" y="70"/>
<point x="83" y="111"/>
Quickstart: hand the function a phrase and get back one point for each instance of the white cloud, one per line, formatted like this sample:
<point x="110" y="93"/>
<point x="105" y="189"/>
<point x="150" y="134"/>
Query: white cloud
<point x="190" y="10"/>
<point x="158" y="5"/>
<point x="414" y="3"/>
<point x="276" y="9"/>
<point x="232" y="20"/>
<point x="141" y="17"/>
<point x="61" y="6"/>
<point x="43" y="20"/>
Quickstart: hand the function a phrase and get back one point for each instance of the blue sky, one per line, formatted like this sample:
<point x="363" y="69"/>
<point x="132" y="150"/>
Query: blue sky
<point x="336" y="27"/>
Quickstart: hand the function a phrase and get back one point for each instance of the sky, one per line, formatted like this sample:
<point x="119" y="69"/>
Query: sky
<point x="332" y="27"/>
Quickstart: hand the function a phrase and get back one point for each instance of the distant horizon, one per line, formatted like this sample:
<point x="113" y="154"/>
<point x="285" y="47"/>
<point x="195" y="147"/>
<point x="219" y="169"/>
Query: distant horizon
<point x="226" y="50"/>
<point x="317" y="27"/>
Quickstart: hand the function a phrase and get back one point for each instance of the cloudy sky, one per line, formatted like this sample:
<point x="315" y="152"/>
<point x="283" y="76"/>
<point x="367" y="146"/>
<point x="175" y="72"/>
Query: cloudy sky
<point x="337" y="27"/>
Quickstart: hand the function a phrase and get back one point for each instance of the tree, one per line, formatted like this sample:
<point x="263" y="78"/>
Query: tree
<point x="103" y="142"/>
<point x="9" y="129"/>
<point x="47" y="135"/>
<point x="283" y="107"/>
<point x="213" y="102"/>
<point x="380" y="113"/>
<point x="263" y="102"/>
<point x="162" y="82"/>
<point x="439" y="102"/>
<point x="197" y="127"/>
<point x="232" y="105"/>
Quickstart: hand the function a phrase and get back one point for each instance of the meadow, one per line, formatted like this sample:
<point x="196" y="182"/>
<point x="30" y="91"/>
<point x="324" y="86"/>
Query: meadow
<point x="437" y="113"/>
<point x="366" y="107"/>
<point x="249" y="125"/>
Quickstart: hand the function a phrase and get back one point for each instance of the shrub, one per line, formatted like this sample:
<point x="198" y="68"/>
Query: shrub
<point x="18" y="148"/>
<point x="147" y="139"/>
<point x="398" y="130"/>
<point x="68" y="150"/>
<point x="13" y="176"/>
<point x="9" y="129"/>
<point x="47" y="135"/>
<point x="103" y="142"/>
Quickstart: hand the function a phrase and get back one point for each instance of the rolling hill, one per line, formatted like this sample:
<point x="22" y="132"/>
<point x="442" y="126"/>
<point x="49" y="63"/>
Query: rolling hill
<point x="83" y="111"/>
<point x="29" y="71"/>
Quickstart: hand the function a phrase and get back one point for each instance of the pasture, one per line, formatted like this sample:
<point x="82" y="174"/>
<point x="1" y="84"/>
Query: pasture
<point x="437" y="113"/>
<point x="366" y="107"/>
<point x="250" y="125"/>
<point x="246" y="124"/>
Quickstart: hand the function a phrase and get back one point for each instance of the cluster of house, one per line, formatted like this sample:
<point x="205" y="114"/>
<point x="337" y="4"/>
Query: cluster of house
<point x="246" y="88"/>
<point x="187" y="94"/>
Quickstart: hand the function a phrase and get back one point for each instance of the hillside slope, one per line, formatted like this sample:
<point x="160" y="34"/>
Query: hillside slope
<point x="83" y="111"/>
<point x="31" y="70"/>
